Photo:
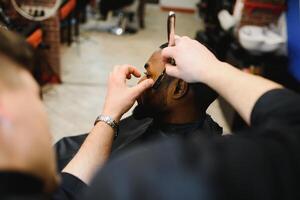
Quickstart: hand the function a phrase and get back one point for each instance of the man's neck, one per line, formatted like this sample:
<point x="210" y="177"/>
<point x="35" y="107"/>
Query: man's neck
<point x="183" y="115"/>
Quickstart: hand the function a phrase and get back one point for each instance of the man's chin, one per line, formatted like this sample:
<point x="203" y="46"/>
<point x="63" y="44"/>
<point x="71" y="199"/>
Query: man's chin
<point x="141" y="112"/>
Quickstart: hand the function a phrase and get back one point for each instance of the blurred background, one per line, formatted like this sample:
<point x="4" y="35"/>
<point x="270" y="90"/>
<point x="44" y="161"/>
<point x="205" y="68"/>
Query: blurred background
<point x="79" y="41"/>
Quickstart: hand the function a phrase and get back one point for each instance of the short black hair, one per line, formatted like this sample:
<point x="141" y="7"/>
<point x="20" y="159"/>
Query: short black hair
<point x="165" y="45"/>
<point x="15" y="47"/>
<point x="203" y="94"/>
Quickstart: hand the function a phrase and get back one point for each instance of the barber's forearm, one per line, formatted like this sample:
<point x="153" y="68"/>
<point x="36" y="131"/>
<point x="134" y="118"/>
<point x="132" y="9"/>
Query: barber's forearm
<point x="240" y="89"/>
<point x="93" y="153"/>
<point x="97" y="147"/>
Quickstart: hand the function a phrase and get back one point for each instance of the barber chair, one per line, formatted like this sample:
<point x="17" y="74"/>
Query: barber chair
<point x="4" y="20"/>
<point x="68" y="21"/>
<point x="126" y="15"/>
<point x="31" y="31"/>
<point x="34" y="35"/>
<point x="81" y="7"/>
<point x="208" y="9"/>
<point x="214" y="37"/>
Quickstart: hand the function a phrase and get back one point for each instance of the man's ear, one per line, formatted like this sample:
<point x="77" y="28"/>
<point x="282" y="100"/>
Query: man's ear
<point x="179" y="88"/>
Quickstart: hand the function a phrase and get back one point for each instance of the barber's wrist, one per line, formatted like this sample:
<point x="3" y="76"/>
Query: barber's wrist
<point x="214" y="72"/>
<point x="116" y="116"/>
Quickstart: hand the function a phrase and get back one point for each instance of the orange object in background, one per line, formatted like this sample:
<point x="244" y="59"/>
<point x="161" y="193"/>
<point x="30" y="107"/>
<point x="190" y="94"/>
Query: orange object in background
<point x="35" y="38"/>
<point x="251" y="6"/>
<point x="67" y="9"/>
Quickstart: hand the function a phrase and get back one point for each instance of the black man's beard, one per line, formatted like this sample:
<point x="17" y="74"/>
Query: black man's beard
<point x="141" y="112"/>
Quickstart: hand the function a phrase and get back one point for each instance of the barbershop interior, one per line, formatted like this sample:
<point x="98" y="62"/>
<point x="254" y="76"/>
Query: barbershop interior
<point x="79" y="43"/>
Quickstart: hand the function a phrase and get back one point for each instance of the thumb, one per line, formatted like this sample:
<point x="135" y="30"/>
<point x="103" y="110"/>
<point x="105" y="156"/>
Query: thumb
<point x="168" y="52"/>
<point x="172" y="70"/>
<point x="142" y="86"/>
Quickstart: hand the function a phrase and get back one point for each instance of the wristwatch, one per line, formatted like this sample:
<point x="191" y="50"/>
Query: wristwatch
<point x="109" y="121"/>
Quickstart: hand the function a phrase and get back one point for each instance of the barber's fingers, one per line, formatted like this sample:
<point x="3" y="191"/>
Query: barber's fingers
<point x="134" y="71"/>
<point x="141" y="87"/>
<point x="168" y="52"/>
<point x="125" y="71"/>
<point x="172" y="70"/>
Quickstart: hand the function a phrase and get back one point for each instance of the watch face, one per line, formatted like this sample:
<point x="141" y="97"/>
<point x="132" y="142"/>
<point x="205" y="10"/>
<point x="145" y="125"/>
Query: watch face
<point x="108" y="120"/>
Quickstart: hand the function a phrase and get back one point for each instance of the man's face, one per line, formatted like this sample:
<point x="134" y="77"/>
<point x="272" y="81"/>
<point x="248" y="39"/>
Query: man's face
<point x="25" y="136"/>
<point x="153" y="101"/>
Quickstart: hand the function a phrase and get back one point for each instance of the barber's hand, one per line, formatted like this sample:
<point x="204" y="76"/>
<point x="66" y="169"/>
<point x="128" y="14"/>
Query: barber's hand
<point x="194" y="61"/>
<point x="120" y="98"/>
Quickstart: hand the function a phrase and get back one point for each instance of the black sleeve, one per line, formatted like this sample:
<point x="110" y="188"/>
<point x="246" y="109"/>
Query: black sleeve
<point x="278" y="108"/>
<point x="71" y="188"/>
<point x="264" y="161"/>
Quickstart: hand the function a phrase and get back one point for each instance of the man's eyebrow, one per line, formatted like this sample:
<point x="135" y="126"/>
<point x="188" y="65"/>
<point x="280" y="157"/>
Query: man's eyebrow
<point x="146" y="66"/>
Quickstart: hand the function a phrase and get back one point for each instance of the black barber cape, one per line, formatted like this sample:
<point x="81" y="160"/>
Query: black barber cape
<point x="134" y="132"/>
<point x="20" y="186"/>
<point x="262" y="163"/>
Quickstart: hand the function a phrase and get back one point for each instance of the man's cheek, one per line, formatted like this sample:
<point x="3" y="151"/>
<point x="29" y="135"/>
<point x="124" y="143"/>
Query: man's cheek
<point x="145" y="98"/>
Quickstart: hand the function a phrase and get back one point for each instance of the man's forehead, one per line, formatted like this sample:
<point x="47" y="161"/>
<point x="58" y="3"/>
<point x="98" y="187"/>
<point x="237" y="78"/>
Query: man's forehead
<point x="156" y="55"/>
<point x="156" y="60"/>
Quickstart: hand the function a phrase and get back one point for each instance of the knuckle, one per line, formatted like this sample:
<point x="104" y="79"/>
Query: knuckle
<point x="122" y="66"/>
<point x="144" y="86"/>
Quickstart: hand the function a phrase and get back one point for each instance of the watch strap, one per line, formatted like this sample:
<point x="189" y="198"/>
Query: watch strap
<point x="109" y="121"/>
